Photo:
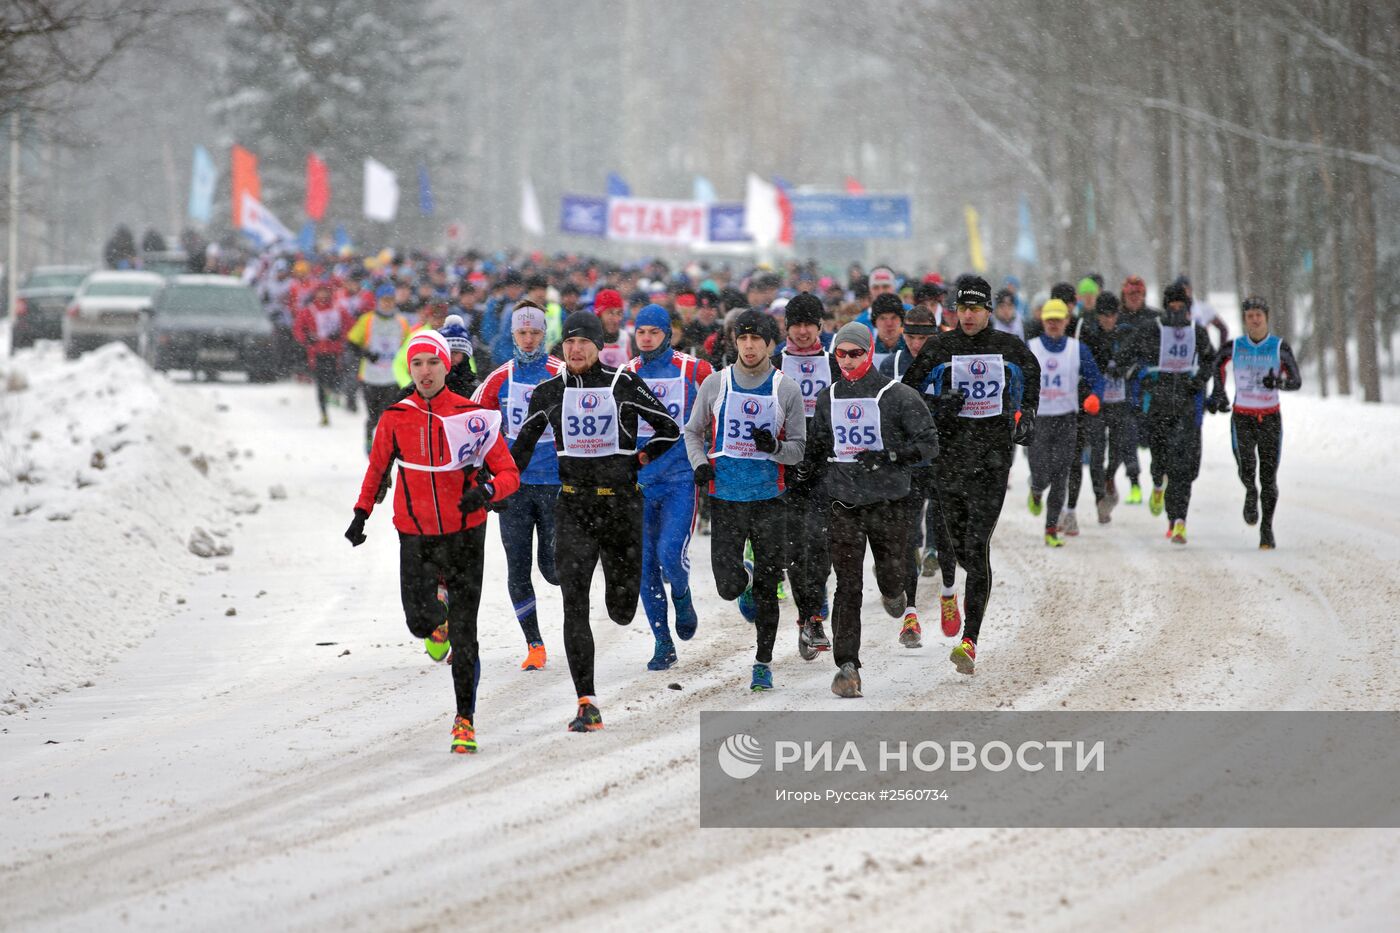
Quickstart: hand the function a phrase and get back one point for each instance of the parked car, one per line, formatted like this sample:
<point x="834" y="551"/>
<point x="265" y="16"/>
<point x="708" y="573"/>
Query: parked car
<point x="210" y="324"/>
<point x="109" y="305"/>
<point x="40" y="301"/>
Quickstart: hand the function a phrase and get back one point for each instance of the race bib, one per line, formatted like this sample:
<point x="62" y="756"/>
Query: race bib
<point x="669" y="392"/>
<point x="469" y="436"/>
<point x="518" y="407"/>
<point x="589" y="421"/>
<point x="743" y="413"/>
<point x="812" y="374"/>
<point x="1115" y="390"/>
<point x="855" y="425"/>
<point x="1177" y="351"/>
<point x="981" y="379"/>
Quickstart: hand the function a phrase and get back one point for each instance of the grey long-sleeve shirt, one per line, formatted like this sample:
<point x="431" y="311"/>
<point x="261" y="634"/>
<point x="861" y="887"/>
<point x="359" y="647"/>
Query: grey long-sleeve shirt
<point x="792" y="438"/>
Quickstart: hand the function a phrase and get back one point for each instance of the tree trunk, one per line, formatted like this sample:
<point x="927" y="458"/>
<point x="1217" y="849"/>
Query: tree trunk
<point x="1161" y="136"/>
<point x="1363" y="216"/>
<point x="1336" y="298"/>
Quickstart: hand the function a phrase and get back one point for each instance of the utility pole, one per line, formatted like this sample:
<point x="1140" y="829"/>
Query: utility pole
<point x="12" y="260"/>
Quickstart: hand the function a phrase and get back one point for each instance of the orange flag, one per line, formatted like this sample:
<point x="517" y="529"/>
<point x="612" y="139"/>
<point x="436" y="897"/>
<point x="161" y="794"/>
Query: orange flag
<point x="318" y="187"/>
<point x="245" y="178"/>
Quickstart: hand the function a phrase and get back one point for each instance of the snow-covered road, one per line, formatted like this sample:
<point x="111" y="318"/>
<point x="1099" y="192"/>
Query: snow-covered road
<point x="230" y="772"/>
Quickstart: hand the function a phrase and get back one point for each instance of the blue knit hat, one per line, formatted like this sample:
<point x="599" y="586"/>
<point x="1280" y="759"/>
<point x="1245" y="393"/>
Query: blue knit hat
<point x="654" y="315"/>
<point x="384" y="291"/>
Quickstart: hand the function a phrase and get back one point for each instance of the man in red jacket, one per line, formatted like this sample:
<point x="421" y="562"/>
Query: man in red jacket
<point x="321" y="326"/>
<point x="453" y="461"/>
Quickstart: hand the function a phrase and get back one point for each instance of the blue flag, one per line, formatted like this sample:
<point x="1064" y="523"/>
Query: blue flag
<point x="425" y="192"/>
<point x="704" y="191"/>
<point x="617" y="188"/>
<point x="1025" y="239"/>
<point x="342" y="238"/>
<point x="306" y="240"/>
<point x="202" y="179"/>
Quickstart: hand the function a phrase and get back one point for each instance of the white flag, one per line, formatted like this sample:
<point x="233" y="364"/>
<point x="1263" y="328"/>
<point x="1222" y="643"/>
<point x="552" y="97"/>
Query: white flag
<point x="763" y="220"/>
<point x="262" y="225"/>
<point x="530" y="217"/>
<point x="381" y="192"/>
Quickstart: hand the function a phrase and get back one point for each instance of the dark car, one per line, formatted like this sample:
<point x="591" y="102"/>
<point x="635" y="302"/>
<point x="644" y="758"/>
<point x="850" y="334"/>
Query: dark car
<point x="210" y="324"/>
<point x="40" y="302"/>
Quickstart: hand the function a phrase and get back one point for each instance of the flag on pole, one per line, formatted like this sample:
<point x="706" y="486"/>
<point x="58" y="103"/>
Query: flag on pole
<point x="306" y="239"/>
<point x="853" y="186"/>
<point x="381" y="192"/>
<point x="704" y="191"/>
<point x="763" y="220"/>
<point x="244" y="169"/>
<point x="425" y="192"/>
<point x="261" y="224"/>
<point x="203" y="177"/>
<point x="974" y="240"/>
<point x="530" y="217"/>
<point x="1025" y="239"/>
<point x="341" y="242"/>
<point x="617" y="188"/>
<point x="784" y="209"/>
<point x="318" y="187"/>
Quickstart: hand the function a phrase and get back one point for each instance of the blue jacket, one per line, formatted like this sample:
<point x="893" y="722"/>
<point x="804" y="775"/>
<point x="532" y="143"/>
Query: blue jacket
<point x="673" y="466"/>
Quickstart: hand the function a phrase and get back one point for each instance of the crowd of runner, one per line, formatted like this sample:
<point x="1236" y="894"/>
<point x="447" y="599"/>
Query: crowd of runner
<point x="607" y="412"/>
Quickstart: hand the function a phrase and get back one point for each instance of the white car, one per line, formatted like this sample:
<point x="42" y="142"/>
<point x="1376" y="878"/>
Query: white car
<point x="109" y="306"/>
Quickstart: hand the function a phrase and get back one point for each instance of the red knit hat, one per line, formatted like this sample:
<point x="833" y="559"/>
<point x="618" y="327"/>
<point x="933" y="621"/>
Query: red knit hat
<point x="430" y="341"/>
<point x="605" y="299"/>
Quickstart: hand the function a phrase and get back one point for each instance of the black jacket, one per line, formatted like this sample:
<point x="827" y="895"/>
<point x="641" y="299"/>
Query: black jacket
<point x="633" y="399"/>
<point x="1170" y="397"/>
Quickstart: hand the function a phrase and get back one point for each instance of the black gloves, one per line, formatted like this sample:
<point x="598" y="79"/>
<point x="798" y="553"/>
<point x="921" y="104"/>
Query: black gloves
<point x="764" y="440"/>
<point x="801" y="472"/>
<point x="704" y="474"/>
<point x="372" y="356"/>
<point x="950" y="403"/>
<point x="1270" y="381"/>
<point x="355" y="534"/>
<point x="476" y="497"/>
<point x="1025" y="429"/>
<point x="1218" y="405"/>
<point x="874" y="459"/>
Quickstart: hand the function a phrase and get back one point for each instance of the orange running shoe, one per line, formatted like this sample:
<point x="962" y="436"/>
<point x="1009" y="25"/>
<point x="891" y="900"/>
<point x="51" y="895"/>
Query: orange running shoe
<point x="952" y="618"/>
<point x="463" y="736"/>
<point x="534" y="661"/>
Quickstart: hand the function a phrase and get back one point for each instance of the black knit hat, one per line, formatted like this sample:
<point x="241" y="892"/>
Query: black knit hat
<point x="1175" y="292"/>
<point x="805" y="308"/>
<point x="1106" y="304"/>
<point x="756" y="322"/>
<point x="888" y="303"/>
<point x="584" y="324"/>
<point x="973" y="290"/>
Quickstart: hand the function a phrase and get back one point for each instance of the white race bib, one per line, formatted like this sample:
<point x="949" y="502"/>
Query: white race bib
<point x="1177" y="352"/>
<point x="469" y="436"/>
<point x="1059" y="378"/>
<point x="518" y="407"/>
<point x="589" y="419"/>
<point x="669" y="392"/>
<point x="743" y="414"/>
<point x="1114" y="390"/>
<point x="812" y="374"/>
<point x="981" y="378"/>
<point x="855" y="425"/>
<point x="1252" y="363"/>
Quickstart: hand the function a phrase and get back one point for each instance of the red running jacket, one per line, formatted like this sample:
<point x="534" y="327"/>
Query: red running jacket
<point x="426" y="503"/>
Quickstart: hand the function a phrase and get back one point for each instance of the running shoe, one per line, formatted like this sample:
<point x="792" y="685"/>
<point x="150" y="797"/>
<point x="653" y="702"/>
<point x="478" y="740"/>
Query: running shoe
<point x="1105" y="507"/>
<point x="588" y="718"/>
<point x="1158" y="500"/>
<point x="1052" y="539"/>
<point x="686" y="619"/>
<point x="930" y="567"/>
<point x="325" y="420"/>
<point x="846" y="683"/>
<point x="762" y="678"/>
<point x="1251" y="506"/>
<point x="436" y="644"/>
<point x="747" y="607"/>
<point x="1266" y="539"/>
<point x="463" y="736"/>
<point x="963" y="656"/>
<point x="1034" y="504"/>
<point x="534" y="658"/>
<point x="1134" y="495"/>
<point x="782" y="589"/>
<point x="663" y="657"/>
<point x="1179" y="532"/>
<point x="950" y="616"/>
<point x="894" y="605"/>
<point x="911" y="635"/>
<point x="812" y="638"/>
<point x="1069" y="524"/>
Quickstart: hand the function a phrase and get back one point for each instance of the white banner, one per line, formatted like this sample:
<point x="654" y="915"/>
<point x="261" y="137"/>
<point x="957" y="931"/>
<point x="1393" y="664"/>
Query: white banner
<point x="763" y="219"/>
<point x="650" y="220"/>
<point x="381" y="192"/>
<point x="262" y="225"/>
<point x="531" y="220"/>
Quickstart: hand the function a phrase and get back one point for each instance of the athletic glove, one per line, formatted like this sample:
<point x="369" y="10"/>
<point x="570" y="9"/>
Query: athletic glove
<point x="704" y="474"/>
<point x="801" y="472"/>
<point x="874" y="459"/>
<point x="1025" y="428"/>
<point x="1270" y="381"/>
<point x="355" y="534"/>
<point x="1222" y="406"/>
<point x="1091" y="404"/>
<point x="371" y="355"/>
<point x="950" y="403"/>
<point x="476" y="497"/>
<point x="764" y="440"/>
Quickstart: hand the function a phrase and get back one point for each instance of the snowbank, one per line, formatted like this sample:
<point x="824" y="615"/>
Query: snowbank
<point x="106" y="472"/>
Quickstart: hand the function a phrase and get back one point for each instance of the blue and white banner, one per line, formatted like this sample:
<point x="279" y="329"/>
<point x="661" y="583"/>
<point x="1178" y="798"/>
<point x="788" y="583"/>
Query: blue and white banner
<point x="850" y="217"/>
<point x="582" y="215"/>
<point x="727" y="223"/>
<point x="203" y="177"/>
